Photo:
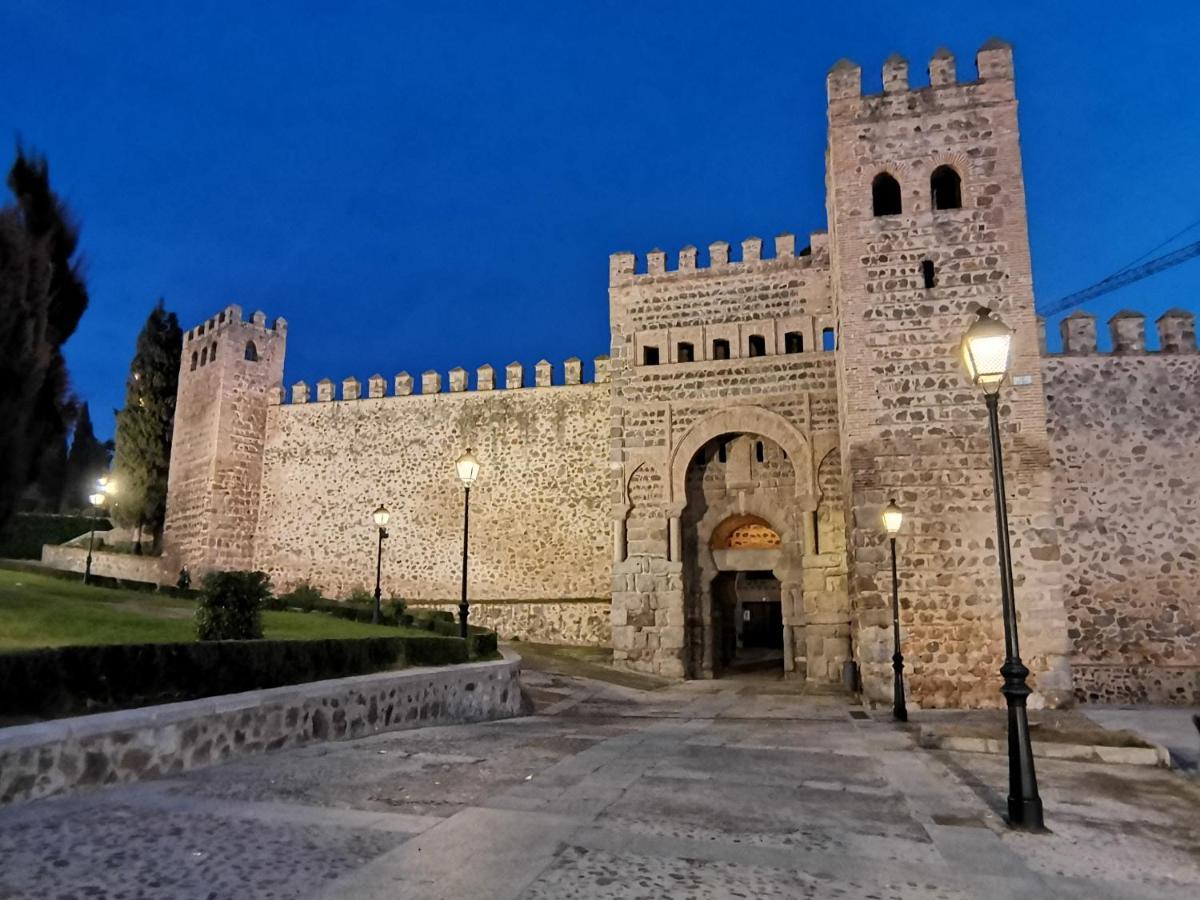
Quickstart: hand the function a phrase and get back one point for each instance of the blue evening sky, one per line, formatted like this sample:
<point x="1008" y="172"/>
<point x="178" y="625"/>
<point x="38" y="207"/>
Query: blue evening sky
<point x="425" y="185"/>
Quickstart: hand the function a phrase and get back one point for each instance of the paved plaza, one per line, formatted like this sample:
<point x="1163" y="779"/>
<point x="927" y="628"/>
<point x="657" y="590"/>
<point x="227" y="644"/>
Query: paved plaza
<point x="704" y="790"/>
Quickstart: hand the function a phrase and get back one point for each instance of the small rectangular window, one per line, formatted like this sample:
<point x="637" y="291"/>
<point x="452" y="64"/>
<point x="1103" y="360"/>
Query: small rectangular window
<point x="649" y="356"/>
<point x="828" y="340"/>
<point x="758" y="345"/>
<point x="793" y="342"/>
<point x="816" y="532"/>
<point x="720" y="349"/>
<point x="760" y="452"/>
<point x="927" y="273"/>
<point x="685" y="353"/>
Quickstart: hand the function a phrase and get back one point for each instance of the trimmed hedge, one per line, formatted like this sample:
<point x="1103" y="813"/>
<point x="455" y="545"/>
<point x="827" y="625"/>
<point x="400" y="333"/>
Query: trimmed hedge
<point x="66" y="681"/>
<point x="23" y="536"/>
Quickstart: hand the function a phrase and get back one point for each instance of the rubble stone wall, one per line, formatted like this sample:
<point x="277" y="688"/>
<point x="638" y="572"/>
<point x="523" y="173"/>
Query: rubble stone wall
<point x="1126" y="441"/>
<point x="539" y="511"/>
<point x="583" y="621"/>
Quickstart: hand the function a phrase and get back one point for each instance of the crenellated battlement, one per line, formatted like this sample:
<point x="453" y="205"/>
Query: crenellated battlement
<point x="623" y="266"/>
<point x="232" y="315"/>
<point x="993" y="63"/>
<point x="432" y="382"/>
<point x="1176" y="330"/>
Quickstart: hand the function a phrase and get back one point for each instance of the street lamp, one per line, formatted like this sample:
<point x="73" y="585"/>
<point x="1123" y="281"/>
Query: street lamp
<point x="892" y="519"/>
<point x="467" y="467"/>
<point x="987" y="353"/>
<point x="381" y="517"/>
<point x="104" y="487"/>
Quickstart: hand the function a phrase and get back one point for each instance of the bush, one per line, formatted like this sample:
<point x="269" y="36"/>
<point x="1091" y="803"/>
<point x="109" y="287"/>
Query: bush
<point x="360" y="596"/>
<point x="23" y="536"/>
<point x="63" y="681"/>
<point x="230" y="607"/>
<point x="483" y="644"/>
<point x="303" y="596"/>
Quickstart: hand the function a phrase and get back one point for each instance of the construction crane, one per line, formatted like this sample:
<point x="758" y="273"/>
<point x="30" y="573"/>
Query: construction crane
<point x="1127" y="275"/>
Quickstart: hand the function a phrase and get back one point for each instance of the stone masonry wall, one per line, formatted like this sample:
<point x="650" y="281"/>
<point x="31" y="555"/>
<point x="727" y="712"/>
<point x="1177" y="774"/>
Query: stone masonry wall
<point x="733" y="347"/>
<point x="539" y="511"/>
<point x="1125" y="433"/>
<point x="124" y="566"/>
<point x="913" y="428"/>
<point x="226" y="374"/>
<point x="583" y="621"/>
<point x="48" y="758"/>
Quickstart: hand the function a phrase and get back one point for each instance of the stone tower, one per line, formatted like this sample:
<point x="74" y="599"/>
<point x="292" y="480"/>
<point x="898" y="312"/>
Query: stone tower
<point x="927" y="222"/>
<point x="227" y="373"/>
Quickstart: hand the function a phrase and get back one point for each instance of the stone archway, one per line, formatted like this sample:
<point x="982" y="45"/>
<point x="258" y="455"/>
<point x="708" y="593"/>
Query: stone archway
<point x="739" y="484"/>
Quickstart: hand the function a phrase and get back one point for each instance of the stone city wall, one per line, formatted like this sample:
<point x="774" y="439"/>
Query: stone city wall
<point x="1125" y="434"/>
<point x="539" y="510"/>
<point x="570" y="621"/>
<point x="129" y="745"/>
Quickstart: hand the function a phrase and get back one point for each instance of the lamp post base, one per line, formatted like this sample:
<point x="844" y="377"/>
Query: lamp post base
<point x="1026" y="815"/>
<point x="899" y="707"/>
<point x="464" y="612"/>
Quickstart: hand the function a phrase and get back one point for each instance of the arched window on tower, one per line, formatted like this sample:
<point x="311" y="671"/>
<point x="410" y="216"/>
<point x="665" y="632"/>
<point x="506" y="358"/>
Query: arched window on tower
<point x="203" y="356"/>
<point x="251" y="352"/>
<point x="195" y="360"/>
<point x="885" y="195"/>
<point x="945" y="186"/>
<point x="212" y="351"/>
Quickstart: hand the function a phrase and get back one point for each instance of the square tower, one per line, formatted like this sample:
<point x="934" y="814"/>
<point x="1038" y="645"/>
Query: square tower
<point x="226" y="376"/>
<point x="927" y="221"/>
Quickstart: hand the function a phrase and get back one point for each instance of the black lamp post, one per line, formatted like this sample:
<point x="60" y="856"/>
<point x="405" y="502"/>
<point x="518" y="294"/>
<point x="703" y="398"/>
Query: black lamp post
<point x="381" y="517"/>
<point x="104" y="487"/>
<point x="987" y="352"/>
<point x="467" y="467"/>
<point x="892" y="519"/>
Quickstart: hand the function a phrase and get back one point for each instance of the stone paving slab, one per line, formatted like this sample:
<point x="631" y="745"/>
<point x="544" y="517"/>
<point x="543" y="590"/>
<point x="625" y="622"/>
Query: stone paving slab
<point x="674" y="793"/>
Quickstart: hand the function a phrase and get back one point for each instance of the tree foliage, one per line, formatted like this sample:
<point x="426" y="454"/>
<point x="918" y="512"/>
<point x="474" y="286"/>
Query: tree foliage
<point x="86" y="462"/>
<point x="42" y="297"/>
<point x="144" y="426"/>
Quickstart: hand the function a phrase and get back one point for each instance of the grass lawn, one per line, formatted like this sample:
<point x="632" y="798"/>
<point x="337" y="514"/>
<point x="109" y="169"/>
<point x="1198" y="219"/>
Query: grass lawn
<point x="40" y="611"/>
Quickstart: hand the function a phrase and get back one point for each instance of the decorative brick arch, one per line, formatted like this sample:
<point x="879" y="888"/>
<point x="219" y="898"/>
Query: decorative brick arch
<point x="742" y="420"/>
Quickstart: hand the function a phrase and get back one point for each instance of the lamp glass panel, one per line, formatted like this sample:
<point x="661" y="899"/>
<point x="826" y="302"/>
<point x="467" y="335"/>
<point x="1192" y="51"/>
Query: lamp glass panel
<point x="987" y="356"/>
<point x="892" y="518"/>
<point x="468" y="468"/>
<point x="381" y="516"/>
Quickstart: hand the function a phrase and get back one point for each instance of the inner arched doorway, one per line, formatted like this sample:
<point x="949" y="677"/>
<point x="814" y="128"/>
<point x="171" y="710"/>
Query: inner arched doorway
<point x="741" y="542"/>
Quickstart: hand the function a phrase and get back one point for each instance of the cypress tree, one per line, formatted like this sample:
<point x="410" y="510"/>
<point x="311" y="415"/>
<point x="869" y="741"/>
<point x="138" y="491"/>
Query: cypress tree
<point x="145" y="425"/>
<point x="42" y="297"/>
<point x="86" y="462"/>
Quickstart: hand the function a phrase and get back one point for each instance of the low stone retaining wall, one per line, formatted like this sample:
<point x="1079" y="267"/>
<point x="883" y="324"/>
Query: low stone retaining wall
<point x="1102" y="683"/>
<point x="124" y="566"/>
<point x="544" y="621"/>
<point x="52" y="757"/>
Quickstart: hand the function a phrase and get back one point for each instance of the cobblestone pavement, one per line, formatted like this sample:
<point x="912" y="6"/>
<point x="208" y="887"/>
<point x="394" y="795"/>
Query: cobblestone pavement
<point x="714" y="790"/>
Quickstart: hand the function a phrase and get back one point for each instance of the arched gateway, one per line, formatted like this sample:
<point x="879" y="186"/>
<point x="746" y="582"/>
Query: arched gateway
<point x="746" y="581"/>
